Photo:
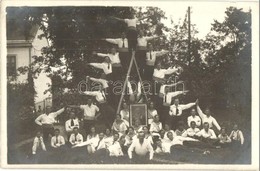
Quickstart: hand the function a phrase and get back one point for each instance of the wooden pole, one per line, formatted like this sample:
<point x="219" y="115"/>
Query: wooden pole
<point x="125" y="83"/>
<point x="189" y="37"/>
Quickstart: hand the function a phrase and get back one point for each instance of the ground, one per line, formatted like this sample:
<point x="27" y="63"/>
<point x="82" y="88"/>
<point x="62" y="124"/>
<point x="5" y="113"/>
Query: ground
<point x="19" y="152"/>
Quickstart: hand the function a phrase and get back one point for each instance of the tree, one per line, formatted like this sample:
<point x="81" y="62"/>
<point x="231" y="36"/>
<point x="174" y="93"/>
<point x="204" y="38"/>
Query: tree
<point x="228" y="56"/>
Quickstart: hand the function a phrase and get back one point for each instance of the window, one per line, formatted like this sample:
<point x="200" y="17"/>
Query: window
<point x="11" y="65"/>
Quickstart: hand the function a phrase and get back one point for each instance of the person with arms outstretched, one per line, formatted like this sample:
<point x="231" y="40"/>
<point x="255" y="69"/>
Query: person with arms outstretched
<point x="176" y="111"/>
<point x="47" y="120"/>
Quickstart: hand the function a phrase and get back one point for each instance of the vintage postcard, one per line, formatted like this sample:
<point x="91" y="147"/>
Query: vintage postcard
<point x="130" y="84"/>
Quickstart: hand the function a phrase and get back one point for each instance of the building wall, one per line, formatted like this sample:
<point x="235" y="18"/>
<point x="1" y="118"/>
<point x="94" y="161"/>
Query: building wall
<point x="22" y="59"/>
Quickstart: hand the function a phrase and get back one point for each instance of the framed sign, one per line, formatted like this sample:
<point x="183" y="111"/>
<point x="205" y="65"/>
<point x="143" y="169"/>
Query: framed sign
<point x="138" y="114"/>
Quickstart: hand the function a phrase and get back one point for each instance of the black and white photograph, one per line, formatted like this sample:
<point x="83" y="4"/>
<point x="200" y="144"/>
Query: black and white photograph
<point x="166" y="83"/>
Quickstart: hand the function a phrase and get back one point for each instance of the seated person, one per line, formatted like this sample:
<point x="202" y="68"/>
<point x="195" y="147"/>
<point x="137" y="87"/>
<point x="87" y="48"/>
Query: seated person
<point x="236" y="136"/>
<point x="224" y="139"/>
<point x="115" y="148"/>
<point x="38" y="144"/>
<point x="194" y="117"/>
<point x="119" y="125"/>
<point x="162" y="134"/>
<point x="130" y="136"/>
<point x="125" y="114"/>
<point x="108" y="135"/>
<point x="192" y="131"/>
<point x="99" y="149"/>
<point x="122" y="142"/>
<point x="161" y="147"/>
<point x="71" y="123"/>
<point x="137" y="126"/>
<point x="92" y="134"/>
<point x="57" y="141"/>
<point x="96" y="144"/>
<point x="76" y="137"/>
<point x="180" y="130"/>
<point x="207" y="135"/>
<point x="155" y="126"/>
<point x="151" y="112"/>
<point x="167" y="129"/>
<point x="147" y="135"/>
<point x="173" y="140"/>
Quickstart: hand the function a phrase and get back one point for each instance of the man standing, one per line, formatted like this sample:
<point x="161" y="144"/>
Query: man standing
<point x="139" y="149"/>
<point x="208" y="118"/>
<point x="46" y="122"/>
<point x="91" y="113"/>
<point x="176" y="112"/>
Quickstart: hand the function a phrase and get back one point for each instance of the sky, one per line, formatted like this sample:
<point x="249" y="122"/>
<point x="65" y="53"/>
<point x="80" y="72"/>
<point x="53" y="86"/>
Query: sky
<point x="202" y="15"/>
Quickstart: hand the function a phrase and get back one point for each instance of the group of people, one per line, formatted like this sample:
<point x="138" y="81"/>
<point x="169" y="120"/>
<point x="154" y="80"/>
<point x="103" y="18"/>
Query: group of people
<point x="166" y="127"/>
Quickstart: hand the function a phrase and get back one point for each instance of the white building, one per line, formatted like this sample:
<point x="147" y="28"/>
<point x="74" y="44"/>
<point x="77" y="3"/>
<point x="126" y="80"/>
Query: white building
<point x="20" y="50"/>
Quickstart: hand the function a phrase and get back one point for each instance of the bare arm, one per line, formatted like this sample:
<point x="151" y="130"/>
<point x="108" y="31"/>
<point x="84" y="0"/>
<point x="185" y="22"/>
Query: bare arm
<point x="216" y="124"/>
<point x="118" y="19"/>
<point x="113" y="41"/>
<point x="38" y="120"/>
<point x="102" y="54"/>
<point x="201" y="114"/>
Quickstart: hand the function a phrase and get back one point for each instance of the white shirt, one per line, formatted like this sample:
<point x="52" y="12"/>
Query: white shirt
<point x="74" y="140"/>
<point x="103" y="82"/>
<point x="191" y="132"/>
<point x="38" y="143"/>
<point x="212" y="121"/>
<point x="89" y="111"/>
<point x="120" y="42"/>
<point x="120" y="128"/>
<point x="155" y="127"/>
<point x="196" y="119"/>
<point x="173" y="109"/>
<point x="151" y="114"/>
<point x="124" y="114"/>
<point x="129" y="139"/>
<point x="140" y="149"/>
<point x="162" y="89"/>
<point x="131" y="22"/>
<point x="207" y="134"/>
<point x="167" y="98"/>
<point x="106" y="67"/>
<point x="165" y="148"/>
<point x="113" y="57"/>
<point x="237" y="136"/>
<point x="142" y="41"/>
<point x="68" y="126"/>
<point x="57" y="141"/>
<point x="99" y="144"/>
<point x="176" y="141"/>
<point x="151" y="56"/>
<point x="224" y="138"/>
<point x="162" y="72"/>
<point x="99" y="95"/>
<point x="89" y="137"/>
<point x="48" y="119"/>
<point x="115" y="149"/>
